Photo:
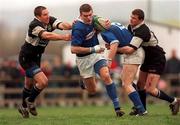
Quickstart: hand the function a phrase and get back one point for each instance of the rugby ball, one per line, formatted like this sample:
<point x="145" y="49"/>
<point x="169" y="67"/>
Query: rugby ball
<point x="99" y="23"/>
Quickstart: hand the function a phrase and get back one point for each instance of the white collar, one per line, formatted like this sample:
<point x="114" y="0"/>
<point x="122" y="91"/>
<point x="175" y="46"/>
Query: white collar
<point x="138" y="25"/>
<point x="79" y="19"/>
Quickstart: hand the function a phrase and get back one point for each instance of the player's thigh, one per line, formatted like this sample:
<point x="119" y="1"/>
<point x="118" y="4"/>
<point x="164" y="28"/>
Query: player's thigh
<point x="152" y="81"/>
<point x="85" y="66"/>
<point x="128" y="73"/>
<point x="90" y="83"/>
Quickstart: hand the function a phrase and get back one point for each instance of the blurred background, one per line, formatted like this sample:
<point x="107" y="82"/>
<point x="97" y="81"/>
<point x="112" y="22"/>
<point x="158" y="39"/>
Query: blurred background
<point x="163" y="17"/>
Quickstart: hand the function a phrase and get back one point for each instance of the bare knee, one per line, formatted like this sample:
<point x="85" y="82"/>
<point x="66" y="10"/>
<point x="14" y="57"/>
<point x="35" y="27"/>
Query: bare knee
<point x="106" y="78"/>
<point x="43" y="83"/>
<point x="92" y="91"/>
<point x="128" y="88"/>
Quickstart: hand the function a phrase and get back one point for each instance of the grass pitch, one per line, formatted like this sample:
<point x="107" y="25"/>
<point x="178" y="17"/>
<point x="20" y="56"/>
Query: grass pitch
<point x="90" y="115"/>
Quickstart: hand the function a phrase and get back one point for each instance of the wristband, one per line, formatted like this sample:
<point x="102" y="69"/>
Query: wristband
<point x="92" y="50"/>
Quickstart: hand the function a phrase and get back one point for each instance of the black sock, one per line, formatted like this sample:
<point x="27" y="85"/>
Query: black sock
<point x="142" y="95"/>
<point x="135" y="86"/>
<point x="164" y="96"/>
<point x="25" y="93"/>
<point x="34" y="93"/>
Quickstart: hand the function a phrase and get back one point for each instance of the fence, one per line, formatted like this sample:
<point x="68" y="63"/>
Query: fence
<point x="61" y="91"/>
<point x="66" y="91"/>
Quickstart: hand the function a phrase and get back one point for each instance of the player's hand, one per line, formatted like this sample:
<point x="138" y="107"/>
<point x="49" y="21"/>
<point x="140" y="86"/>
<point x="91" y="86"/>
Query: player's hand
<point x="107" y="46"/>
<point x="97" y="49"/>
<point x="107" y="23"/>
<point x="74" y="21"/>
<point x="67" y="37"/>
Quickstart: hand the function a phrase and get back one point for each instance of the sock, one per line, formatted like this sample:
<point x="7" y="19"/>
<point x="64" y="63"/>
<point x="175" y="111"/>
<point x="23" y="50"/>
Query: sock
<point x="111" y="91"/>
<point x="34" y="93"/>
<point x="25" y="93"/>
<point x="135" y="86"/>
<point x="164" y="96"/>
<point x="136" y="101"/>
<point x="142" y="95"/>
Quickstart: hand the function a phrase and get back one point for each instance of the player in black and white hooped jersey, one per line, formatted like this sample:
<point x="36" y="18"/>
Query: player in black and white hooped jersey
<point x="38" y="36"/>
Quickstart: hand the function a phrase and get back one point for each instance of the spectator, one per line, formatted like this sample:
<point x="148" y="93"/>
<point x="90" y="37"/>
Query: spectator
<point x="173" y="68"/>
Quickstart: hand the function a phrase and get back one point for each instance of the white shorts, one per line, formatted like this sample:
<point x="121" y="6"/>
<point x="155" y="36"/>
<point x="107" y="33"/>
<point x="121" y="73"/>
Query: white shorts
<point x="136" y="57"/>
<point x="86" y="64"/>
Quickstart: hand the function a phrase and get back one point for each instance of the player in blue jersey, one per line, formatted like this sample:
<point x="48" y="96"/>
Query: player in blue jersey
<point x="37" y="38"/>
<point x="88" y="56"/>
<point x="117" y="36"/>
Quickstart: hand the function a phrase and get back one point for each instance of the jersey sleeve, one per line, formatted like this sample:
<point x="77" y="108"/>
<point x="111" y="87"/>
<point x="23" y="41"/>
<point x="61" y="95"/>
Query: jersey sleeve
<point x="54" y="22"/>
<point x="109" y="37"/>
<point x="143" y="32"/>
<point x="77" y="37"/>
<point x="135" y="42"/>
<point x="36" y="29"/>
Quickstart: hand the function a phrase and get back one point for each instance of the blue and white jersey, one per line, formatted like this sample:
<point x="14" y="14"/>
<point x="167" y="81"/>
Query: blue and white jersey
<point x="84" y="35"/>
<point x="117" y="33"/>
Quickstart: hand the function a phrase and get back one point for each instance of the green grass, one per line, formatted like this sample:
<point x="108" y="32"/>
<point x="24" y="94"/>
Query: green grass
<point x="89" y="115"/>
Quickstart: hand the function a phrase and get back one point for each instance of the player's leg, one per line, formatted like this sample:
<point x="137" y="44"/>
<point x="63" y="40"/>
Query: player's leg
<point x="141" y="87"/>
<point x="128" y="75"/>
<point x="151" y="84"/>
<point x="25" y="62"/>
<point x="81" y="83"/>
<point x="25" y="93"/>
<point x="27" y="89"/>
<point x="41" y="82"/>
<point x="90" y="84"/>
<point x="103" y="71"/>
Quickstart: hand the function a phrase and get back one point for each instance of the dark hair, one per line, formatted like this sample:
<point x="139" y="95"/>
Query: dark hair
<point x="85" y="8"/>
<point x="139" y="13"/>
<point x="38" y="10"/>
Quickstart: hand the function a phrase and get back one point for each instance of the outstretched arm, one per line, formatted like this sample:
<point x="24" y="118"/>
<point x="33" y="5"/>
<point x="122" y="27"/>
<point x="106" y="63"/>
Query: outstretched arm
<point x="65" y="26"/>
<point x="55" y="36"/>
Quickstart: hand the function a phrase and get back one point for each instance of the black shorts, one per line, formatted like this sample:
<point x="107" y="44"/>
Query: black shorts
<point x="30" y="63"/>
<point x="154" y="61"/>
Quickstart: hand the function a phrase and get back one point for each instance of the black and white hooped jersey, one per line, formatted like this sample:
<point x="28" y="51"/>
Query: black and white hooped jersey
<point x="143" y="36"/>
<point x="33" y="41"/>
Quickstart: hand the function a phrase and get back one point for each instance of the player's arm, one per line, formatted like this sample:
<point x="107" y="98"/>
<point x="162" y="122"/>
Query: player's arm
<point x="126" y="50"/>
<point x="79" y="50"/>
<point x="57" y="24"/>
<point x="112" y="50"/>
<point x="84" y="50"/>
<point x="77" y="39"/>
<point x="55" y="36"/>
<point x="43" y="34"/>
<point x="111" y="44"/>
<point x="65" y="26"/>
<point x="133" y="46"/>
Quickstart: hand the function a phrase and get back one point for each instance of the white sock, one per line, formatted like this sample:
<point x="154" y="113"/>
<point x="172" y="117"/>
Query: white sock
<point x="175" y="100"/>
